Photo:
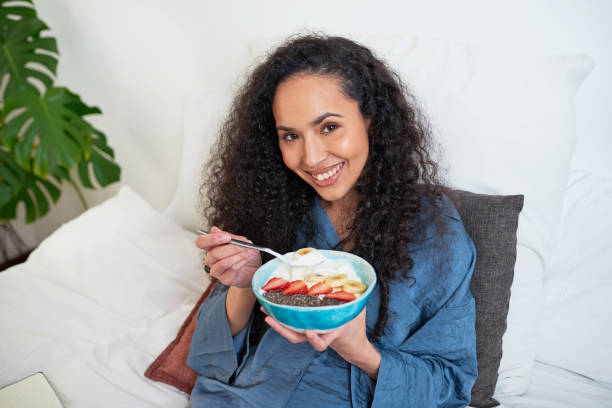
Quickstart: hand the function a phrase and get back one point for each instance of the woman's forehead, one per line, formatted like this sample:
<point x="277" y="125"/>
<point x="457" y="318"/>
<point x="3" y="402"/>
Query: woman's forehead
<point x="305" y="97"/>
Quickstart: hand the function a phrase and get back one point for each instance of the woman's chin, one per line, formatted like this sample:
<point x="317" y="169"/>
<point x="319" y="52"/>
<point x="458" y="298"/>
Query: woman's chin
<point x="331" y="195"/>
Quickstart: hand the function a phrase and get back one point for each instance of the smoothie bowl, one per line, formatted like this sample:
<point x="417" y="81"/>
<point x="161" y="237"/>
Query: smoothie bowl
<point x="320" y="295"/>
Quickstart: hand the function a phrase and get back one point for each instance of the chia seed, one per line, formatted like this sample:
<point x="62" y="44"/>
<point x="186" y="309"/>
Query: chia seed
<point x="276" y="296"/>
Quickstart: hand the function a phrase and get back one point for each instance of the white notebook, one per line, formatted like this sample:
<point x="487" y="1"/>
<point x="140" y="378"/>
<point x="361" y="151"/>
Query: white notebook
<point x="31" y="392"/>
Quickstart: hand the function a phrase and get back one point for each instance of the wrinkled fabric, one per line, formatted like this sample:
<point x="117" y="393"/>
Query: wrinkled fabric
<point x="428" y="351"/>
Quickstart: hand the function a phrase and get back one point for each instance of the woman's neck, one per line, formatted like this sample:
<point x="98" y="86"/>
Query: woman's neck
<point x="342" y="213"/>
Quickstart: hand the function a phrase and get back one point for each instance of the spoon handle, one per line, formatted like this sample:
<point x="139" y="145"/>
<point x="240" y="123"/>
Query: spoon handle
<point x="247" y="245"/>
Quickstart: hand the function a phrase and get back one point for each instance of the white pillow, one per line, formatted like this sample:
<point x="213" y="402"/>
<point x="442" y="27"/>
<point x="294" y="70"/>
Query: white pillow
<point x="576" y="331"/>
<point x="203" y="116"/>
<point x="505" y="120"/>
<point x="97" y="301"/>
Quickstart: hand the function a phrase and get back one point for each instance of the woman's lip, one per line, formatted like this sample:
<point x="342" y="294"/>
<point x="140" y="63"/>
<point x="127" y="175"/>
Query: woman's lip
<point x="331" y="180"/>
<point x="326" y="169"/>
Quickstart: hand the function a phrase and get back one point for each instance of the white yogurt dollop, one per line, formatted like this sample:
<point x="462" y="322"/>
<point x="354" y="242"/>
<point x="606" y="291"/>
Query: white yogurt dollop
<point x="313" y="261"/>
<point x="306" y="257"/>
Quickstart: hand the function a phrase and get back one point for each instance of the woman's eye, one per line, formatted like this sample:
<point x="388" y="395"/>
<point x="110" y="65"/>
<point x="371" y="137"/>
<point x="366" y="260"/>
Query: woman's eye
<point x="290" y="137"/>
<point x="329" y="127"/>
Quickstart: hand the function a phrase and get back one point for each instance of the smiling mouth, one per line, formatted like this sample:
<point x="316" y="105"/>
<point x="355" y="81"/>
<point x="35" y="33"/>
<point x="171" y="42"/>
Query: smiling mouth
<point x="328" y="176"/>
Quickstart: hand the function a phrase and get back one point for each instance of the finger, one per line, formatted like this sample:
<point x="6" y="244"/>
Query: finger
<point x="217" y="253"/>
<point x="239" y="237"/>
<point x="263" y="310"/>
<point x="216" y="237"/>
<point x="229" y="276"/>
<point x="291" y="335"/>
<point x="232" y="263"/>
<point x="234" y="236"/>
<point x="209" y="241"/>
<point x="320" y="343"/>
<point x="227" y="257"/>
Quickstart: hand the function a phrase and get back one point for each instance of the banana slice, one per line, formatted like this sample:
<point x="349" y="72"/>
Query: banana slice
<point x="354" y="287"/>
<point x="314" y="278"/>
<point x="335" y="281"/>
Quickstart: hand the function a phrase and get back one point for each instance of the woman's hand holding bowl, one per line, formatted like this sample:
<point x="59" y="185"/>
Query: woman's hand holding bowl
<point x="349" y="341"/>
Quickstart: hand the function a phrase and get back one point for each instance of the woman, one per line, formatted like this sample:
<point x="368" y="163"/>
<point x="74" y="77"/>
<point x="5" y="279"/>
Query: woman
<point x="323" y="149"/>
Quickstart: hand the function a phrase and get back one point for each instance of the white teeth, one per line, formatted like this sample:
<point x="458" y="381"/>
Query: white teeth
<point x="325" y="176"/>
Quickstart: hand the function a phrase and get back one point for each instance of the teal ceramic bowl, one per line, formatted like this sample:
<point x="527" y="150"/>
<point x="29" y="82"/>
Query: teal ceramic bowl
<point x="322" y="318"/>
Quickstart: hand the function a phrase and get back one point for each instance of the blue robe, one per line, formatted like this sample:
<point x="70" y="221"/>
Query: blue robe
<point x="428" y="352"/>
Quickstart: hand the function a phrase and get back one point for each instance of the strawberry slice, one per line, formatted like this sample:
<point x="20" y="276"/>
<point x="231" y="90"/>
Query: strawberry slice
<point x="342" y="295"/>
<point x="319" y="289"/>
<point x="297" y="287"/>
<point x="275" y="284"/>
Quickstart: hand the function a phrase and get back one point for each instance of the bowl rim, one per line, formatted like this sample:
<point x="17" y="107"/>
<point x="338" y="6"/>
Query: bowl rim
<point x="365" y="294"/>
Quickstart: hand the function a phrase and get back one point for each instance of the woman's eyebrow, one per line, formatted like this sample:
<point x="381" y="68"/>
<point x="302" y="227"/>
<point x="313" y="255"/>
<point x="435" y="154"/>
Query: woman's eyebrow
<point x="315" y="122"/>
<point x="323" y="116"/>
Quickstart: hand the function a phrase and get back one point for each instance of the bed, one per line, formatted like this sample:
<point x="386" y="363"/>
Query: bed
<point x="98" y="300"/>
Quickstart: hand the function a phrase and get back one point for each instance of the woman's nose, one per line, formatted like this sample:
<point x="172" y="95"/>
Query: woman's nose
<point x="314" y="151"/>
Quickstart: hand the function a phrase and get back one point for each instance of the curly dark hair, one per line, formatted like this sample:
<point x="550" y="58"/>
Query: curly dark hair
<point x="249" y="191"/>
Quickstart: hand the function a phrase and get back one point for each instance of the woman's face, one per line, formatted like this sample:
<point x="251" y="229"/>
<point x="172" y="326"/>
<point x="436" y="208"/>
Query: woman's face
<point x="321" y="133"/>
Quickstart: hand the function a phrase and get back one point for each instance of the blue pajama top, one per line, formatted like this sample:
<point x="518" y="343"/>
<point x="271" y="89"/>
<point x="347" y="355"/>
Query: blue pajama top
<point x="428" y="351"/>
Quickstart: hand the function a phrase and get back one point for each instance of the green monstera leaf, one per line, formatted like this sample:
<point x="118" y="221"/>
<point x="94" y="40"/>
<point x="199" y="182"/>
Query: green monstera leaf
<point x="19" y="186"/>
<point x="26" y="56"/>
<point x="49" y="130"/>
<point x="101" y="161"/>
<point x="44" y="133"/>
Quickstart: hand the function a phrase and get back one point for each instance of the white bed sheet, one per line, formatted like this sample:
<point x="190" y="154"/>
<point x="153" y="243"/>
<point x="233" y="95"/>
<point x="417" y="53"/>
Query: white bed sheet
<point x="97" y="301"/>
<point x="101" y="297"/>
<point x="554" y="387"/>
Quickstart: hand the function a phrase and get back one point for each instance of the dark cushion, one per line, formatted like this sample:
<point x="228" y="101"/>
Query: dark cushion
<point x="491" y="221"/>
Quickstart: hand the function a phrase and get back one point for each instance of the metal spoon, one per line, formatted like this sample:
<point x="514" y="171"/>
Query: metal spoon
<point x="253" y="246"/>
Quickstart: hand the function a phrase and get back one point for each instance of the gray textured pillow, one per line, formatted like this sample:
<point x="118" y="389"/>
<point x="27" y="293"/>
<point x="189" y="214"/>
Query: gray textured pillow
<point x="491" y="221"/>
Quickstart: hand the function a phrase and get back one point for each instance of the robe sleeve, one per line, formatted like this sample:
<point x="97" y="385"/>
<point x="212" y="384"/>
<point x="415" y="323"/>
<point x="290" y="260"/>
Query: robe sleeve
<point x="214" y="353"/>
<point x="436" y="365"/>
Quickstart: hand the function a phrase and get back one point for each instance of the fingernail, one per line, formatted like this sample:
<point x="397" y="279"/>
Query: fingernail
<point x="222" y="238"/>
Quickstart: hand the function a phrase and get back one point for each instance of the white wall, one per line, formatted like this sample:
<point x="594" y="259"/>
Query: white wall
<point x="138" y="60"/>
